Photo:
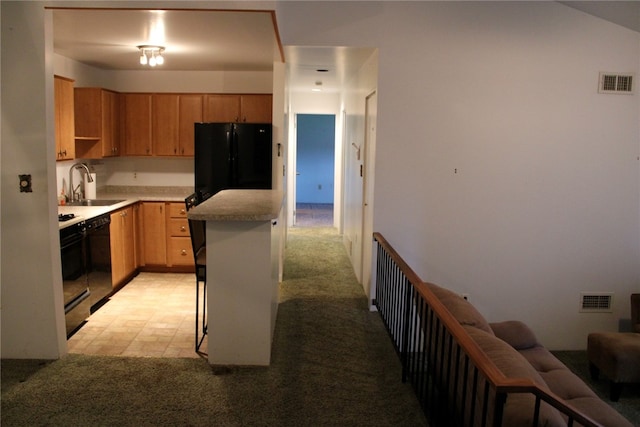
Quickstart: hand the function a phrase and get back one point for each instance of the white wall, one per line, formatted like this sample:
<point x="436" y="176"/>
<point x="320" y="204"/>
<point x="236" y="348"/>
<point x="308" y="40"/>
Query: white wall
<point x="31" y="280"/>
<point x="361" y="85"/>
<point x="500" y="171"/>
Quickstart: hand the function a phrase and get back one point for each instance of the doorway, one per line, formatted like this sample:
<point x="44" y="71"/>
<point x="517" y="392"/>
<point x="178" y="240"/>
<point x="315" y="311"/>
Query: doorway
<point x="315" y="169"/>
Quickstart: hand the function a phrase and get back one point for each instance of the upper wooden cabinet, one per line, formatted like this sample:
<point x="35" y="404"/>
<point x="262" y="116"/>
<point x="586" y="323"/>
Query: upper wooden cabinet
<point x="256" y="108"/>
<point x="136" y="124"/>
<point x="190" y="112"/>
<point x="64" y="118"/>
<point x="109" y="123"/>
<point x="97" y="122"/>
<point x="174" y="116"/>
<point x="165" y="124"/>
<point x="238" y="108"/>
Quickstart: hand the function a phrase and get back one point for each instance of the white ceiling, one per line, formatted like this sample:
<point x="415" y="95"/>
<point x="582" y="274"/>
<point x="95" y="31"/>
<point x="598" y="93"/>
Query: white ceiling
<point x="194" y="40"/>
<point x="198" y="40"/>
<point x="218" y="40"/>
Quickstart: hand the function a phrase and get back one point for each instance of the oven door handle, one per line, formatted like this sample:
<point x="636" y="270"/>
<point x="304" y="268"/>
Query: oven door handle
<point x="73" y="304"/>
<point x="72" y="240"/>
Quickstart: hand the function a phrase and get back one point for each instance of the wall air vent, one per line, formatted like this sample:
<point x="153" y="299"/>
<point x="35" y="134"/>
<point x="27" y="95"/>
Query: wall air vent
<point x="596" y="302"/>
<point x="616" y="83"/>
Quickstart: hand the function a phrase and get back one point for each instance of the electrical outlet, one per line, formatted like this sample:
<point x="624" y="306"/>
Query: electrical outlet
<point x="25" y="183"/>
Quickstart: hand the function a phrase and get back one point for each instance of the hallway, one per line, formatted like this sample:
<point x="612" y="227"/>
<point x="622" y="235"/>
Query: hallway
<point x="314" y="215"/>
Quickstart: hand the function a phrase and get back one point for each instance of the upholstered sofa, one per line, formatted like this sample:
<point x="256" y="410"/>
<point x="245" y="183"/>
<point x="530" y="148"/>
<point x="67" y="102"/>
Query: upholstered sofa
<point x="516" y="352"/>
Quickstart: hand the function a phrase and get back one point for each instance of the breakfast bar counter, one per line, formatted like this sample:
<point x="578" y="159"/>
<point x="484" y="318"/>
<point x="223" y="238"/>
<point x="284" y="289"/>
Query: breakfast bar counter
<point x="243" y="258"/>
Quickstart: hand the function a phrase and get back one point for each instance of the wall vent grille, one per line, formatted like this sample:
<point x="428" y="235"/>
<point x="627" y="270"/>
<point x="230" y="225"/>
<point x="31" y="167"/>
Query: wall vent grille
<point x="616" y="83"/>
<point x="599" y="302"/>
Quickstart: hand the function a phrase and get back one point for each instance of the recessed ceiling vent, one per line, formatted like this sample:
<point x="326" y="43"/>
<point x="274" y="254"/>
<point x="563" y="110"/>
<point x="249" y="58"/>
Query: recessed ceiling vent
<point x="616" y="83"/>
<point x="596" y="302"/>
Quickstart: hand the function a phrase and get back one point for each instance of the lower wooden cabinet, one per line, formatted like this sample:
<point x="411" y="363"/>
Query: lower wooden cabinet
<point x="154" y="235"/>
<point x="165" y="239"/>
<point x="123" y="251"/>
<point x="179" y="244"/>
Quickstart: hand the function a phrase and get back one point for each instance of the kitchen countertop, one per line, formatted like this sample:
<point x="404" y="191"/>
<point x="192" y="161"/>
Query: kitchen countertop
<point x="239" y="205"/>
<point x="125" y="196"/>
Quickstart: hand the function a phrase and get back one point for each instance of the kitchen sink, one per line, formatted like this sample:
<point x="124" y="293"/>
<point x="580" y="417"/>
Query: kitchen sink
<point x="94" y="202"/>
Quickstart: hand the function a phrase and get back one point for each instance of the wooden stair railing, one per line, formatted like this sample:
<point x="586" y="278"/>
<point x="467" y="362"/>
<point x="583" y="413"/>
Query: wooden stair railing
<point x="454" y="379"/>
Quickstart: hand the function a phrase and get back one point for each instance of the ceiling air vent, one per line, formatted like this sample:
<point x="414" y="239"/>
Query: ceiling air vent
<point x="596" y="302"/>
<point x="616" y="83"/>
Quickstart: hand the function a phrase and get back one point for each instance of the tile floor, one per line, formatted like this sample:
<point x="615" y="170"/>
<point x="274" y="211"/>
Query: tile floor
<point x="314" y="214"/>
<point x="153" y="316"/>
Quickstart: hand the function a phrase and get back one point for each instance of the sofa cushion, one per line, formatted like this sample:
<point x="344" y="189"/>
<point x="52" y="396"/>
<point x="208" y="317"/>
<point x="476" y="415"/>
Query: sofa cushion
<point x="515" y="333"/>
<point x="541" y="359"/>
<point x="464" y="312"/>
<point x="519" y="407"/>
<point x="566" y="384"/>
<point x="599" y="411"/>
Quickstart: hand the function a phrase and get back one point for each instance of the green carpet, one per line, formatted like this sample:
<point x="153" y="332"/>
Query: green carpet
<point x="333" y="364"/>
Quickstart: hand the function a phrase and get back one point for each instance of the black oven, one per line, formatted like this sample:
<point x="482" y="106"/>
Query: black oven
<point x="74" y="276"/>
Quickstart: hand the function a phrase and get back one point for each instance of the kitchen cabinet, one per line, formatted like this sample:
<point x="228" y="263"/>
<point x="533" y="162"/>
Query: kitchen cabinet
<point x="173" y="118"/>
<point x="64" y="118"/>
<point x="256" y="108"/>
<point x="250" y="108"/>
<point x="165" y="124"/>
<point x="154" y="235"/>
<point x="137" y="124"/>
<point x="97" y="119"/>
<point x="122" y="232"/>
<point x="190" y="112"/>
<point x="180" y="252"/>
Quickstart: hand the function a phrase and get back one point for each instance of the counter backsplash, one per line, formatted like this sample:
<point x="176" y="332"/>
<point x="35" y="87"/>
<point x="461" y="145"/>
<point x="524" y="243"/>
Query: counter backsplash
<point x="150" y="190"/>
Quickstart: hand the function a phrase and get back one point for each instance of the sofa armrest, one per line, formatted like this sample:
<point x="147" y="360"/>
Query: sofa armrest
<point x="515" y="333"/>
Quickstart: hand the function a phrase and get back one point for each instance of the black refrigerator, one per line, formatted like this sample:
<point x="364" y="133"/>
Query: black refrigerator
<point x="231" y="156"/>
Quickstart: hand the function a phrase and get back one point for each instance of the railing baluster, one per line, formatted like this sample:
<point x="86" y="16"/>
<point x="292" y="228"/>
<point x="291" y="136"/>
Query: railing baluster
<point x="452" y="377"/>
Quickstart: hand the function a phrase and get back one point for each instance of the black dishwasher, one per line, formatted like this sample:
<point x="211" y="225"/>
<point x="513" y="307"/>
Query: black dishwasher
<point x="75" y="285"/>
<point x="98" y="255"/>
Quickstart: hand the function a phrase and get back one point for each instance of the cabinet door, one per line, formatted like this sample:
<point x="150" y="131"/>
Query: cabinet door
<point x="165" y="125"/>
<point x="64" y="118"/>
<point x="128" y="241"/>
<point x="136" y="118"/>
<point x="123" y="261"/>
<point x="110" y="123"/>
<point x="88" y="112"/>
<point x="255" y="108"/>
<point x="116" y="242"/>
<point x="154" y="233"/>
<point x="189" y="114"/>
<point x="222" y="108"/>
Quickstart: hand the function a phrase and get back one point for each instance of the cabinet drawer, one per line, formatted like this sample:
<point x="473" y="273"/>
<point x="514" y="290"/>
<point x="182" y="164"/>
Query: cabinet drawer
<point x="179" y="227"/>
<point x="177" y="210"/>
<point x="180" y="252"/>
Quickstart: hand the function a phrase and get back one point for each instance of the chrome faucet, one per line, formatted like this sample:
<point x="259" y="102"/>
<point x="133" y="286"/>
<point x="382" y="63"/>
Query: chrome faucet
<point x="73" y="192"/>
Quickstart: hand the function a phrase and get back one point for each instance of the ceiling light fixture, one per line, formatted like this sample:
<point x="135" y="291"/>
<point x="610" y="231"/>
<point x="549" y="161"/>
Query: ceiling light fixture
<point x="151" y="55"/>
